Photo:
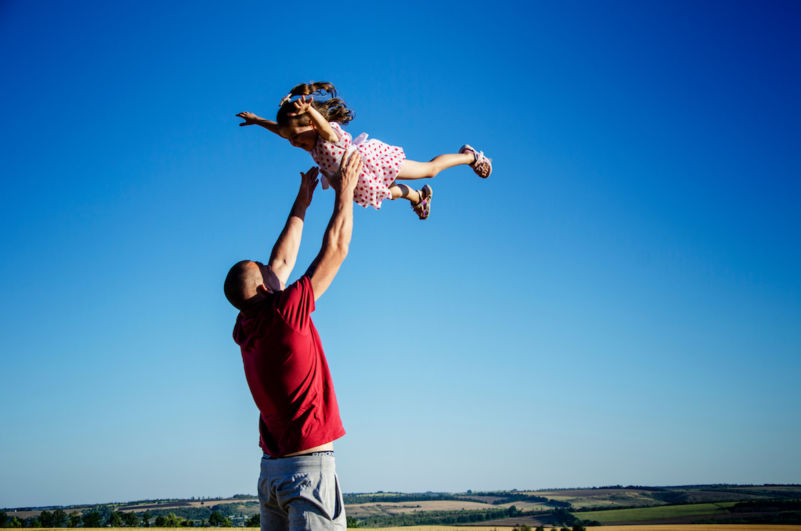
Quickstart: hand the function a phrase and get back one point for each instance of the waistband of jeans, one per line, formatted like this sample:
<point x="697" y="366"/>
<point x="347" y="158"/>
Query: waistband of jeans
<point x="329" y="453"/>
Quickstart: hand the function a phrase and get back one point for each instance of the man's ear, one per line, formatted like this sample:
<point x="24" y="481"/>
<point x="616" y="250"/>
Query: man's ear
<point x="263" y="290"/>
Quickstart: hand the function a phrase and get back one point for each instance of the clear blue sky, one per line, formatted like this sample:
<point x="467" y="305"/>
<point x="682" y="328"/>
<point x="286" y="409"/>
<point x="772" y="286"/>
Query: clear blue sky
<point x="619" y="303"/>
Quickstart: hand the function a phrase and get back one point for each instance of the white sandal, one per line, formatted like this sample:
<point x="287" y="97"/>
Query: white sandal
<point x="481" y="165"/>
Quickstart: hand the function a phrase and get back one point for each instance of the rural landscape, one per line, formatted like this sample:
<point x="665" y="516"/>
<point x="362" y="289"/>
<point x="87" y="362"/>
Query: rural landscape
<point x="698" y="507"/>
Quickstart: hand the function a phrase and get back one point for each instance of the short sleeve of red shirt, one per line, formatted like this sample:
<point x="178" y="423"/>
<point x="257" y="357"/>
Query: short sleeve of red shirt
<point x="296" y="303"/>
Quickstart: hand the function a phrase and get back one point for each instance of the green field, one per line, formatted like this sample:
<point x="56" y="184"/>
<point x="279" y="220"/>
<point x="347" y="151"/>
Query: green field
<point x="611" y="505"/>
<point x="655" y="513"/>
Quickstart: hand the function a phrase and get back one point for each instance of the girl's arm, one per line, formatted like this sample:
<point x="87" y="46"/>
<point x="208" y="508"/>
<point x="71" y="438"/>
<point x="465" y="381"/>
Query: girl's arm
<point x="324" y="129"/>
<point x="252" y="119"/>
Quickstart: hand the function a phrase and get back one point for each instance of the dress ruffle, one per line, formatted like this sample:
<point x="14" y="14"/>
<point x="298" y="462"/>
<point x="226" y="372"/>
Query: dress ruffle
<point x="381" y="163"/>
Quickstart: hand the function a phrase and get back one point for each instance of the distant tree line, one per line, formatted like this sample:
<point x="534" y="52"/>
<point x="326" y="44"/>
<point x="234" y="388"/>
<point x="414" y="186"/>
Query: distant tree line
<point x="514" y="496"/>
<point x="621" y="487"/>
<point x="766" y="505"/>
<point x="506" y="497"/>
<point x="787" y="512"/>
<point x="101" y="517"/>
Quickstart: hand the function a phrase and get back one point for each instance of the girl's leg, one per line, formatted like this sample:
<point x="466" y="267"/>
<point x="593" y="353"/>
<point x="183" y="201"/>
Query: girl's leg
<point x="419" y="199"/>
<point x="402" y="191"/>
<point x="411" y="169"/>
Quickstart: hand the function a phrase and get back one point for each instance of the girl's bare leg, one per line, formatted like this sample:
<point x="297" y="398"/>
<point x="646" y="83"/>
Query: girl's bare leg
<point x="419" y="199"/>
<point x="402" y="191"/>
<point x="411" y="169"/>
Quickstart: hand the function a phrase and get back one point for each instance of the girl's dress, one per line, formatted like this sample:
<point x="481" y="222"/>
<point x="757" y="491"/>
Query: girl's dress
<point x="380" y="164"/>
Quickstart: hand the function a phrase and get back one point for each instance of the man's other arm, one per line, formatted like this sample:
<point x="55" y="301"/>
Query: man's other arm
<point x="285" y="250"/>
<point x="337" y="236"/>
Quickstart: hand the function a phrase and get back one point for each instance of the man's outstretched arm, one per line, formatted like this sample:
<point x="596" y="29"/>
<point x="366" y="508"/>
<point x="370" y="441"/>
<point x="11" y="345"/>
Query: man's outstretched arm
<point x="337" y="236"/>
<point x="285" y="250"/>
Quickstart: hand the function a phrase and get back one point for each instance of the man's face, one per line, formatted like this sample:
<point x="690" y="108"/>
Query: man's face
<point x="269" y="279"/>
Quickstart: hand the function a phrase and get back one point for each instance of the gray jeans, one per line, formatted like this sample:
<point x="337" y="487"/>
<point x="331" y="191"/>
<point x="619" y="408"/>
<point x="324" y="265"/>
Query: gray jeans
<point x="300" y="493"/>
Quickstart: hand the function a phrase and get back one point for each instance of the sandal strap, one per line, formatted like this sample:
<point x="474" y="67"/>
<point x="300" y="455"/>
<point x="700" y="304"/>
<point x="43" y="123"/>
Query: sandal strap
<point x="423" y="207"/>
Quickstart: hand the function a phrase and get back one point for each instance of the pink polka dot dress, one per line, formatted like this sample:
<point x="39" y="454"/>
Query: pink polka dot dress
<point x="380" y="164"/>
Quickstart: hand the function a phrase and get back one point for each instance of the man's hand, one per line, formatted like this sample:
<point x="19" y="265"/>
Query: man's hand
<point x="308" y="182"/>
<point x="249" y="117"/>
<point x="348" y="175"/>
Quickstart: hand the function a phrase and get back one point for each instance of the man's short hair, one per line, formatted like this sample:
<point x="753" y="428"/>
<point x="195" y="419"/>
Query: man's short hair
<point x="241" y="283"/>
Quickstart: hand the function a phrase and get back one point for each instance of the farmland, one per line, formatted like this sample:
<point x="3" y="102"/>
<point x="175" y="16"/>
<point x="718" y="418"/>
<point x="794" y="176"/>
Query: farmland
<point x="606" y="506"/>
<point x="376" y="508"/>
<point x="664" y="512"/>
<point x="362" y="510"/>
<point x="760" y="505"/>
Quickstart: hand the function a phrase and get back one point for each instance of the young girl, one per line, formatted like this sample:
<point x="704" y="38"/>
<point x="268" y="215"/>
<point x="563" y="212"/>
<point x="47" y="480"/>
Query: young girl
<point x="316" y="126"/>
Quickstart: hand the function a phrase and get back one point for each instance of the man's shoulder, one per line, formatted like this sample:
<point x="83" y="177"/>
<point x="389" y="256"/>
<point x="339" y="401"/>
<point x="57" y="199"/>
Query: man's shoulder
<point x="300" y="285"/>
<point x="299" y="292"/>
<point x="296" y="302"/>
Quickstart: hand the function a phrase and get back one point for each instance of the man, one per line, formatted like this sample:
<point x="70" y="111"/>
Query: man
<point x="286" y="368"/>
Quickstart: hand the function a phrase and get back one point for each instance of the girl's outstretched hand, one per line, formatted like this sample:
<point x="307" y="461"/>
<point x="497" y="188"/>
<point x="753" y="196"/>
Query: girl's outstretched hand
<point x="301" y="106"/>
<point x="308" y="182"/>
<point x="249" y="117"/>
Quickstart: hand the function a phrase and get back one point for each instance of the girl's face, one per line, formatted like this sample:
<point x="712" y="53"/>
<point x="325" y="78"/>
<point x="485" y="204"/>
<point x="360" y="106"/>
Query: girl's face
<point x="302" y="136"/>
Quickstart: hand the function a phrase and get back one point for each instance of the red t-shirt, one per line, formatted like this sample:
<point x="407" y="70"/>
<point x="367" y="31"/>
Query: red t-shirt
<point x="287" y="372"/>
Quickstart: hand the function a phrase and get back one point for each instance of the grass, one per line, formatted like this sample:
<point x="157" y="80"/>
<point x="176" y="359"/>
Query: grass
<point x="653" y="513"/>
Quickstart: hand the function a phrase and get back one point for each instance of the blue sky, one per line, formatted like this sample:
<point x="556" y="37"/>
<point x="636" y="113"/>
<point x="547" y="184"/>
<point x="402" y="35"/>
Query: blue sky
<point x="619" y="303"/>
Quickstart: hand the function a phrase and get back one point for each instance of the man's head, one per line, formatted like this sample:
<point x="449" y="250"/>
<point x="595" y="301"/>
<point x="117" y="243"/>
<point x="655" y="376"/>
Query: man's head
<point x="249" y="282"/>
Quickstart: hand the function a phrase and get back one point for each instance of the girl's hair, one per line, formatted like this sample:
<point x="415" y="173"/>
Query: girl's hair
<point x="333" y="109"/>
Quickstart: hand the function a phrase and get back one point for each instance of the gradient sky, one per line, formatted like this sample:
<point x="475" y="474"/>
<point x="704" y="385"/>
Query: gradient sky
<point x="619" y="303"/>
